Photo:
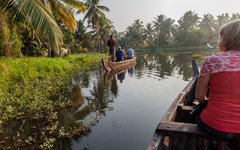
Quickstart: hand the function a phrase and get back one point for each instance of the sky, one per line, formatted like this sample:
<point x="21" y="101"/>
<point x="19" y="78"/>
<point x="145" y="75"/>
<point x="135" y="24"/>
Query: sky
<point x="124" y="12"/>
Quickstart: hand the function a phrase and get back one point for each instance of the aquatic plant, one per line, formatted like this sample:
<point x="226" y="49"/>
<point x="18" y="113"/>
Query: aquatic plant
<point x="29" y="85"/>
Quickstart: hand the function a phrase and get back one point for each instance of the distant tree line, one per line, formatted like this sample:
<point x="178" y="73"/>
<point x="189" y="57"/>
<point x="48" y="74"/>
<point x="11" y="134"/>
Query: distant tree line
<point x="189" y="30"/>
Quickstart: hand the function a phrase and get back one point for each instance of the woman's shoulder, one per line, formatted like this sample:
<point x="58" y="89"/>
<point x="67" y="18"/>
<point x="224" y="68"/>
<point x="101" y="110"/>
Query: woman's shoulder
<point x="223" y="56"/>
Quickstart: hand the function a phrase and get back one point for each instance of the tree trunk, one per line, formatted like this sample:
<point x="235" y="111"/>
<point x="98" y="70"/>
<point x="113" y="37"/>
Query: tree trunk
<point x="4" y="30"/>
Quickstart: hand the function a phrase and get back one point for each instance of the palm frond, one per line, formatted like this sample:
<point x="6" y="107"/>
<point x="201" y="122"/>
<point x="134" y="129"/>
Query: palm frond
<point x="37" y="16"/>
<point x="80" y="6"/>
<point x="62" y="13"/>
<point x="103" y="8"/>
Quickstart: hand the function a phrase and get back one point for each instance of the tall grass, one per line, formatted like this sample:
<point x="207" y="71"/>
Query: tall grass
<point x="29" y="85"/>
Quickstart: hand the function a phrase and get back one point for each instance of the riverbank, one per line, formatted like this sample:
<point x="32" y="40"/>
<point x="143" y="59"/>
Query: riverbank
<point x="31" y="85"/>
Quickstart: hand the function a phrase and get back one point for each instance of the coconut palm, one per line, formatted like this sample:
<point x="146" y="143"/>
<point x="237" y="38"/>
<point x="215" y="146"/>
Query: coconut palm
<point x="208" y="26"/>
<point x="189" y="20"/>
<point x="168" y="30"/>
<point x="149" y="33"/>
<point x="158" y="21"/>
<point x="188" y="30"/>
<point x="235" y="16"/>
<point x="62" y="10"/>
<point x="95" y="11"/>
<point x="37" y="16"/>
<point x="165" y="29"/>
<point x="41" y="14"/>
<point x="157" y="24"/>
<point x="5" y="46"/>
<point x="134" y="34"/>
<point x="102" y="33"/>
<point x="221" y="20"/>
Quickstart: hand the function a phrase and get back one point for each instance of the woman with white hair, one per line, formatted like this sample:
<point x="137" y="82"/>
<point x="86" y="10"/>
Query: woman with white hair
<point x="220" y="77"/>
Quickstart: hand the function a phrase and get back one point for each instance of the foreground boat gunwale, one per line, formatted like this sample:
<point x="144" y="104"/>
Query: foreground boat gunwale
<point x="169" y="127"/>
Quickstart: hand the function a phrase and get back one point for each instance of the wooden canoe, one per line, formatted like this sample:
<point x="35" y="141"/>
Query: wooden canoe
<point x="118" y="66"/>
<point x="176" y="131"/>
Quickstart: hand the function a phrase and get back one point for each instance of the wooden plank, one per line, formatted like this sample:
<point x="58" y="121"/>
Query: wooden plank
<point x="170" y="114"/>
<point x="155" y="142"/>
<point x="172" y="128"/>
<point x="187" y="108"/>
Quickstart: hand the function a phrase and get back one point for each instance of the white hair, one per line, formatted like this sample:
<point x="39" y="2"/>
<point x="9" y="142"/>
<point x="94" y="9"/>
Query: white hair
<point x="230" y="35"/>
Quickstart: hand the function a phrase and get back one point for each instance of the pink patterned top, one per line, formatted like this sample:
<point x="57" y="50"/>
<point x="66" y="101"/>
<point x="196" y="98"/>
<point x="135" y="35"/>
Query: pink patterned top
<point x="228" y="61"/>
<point x="223" y="109"/>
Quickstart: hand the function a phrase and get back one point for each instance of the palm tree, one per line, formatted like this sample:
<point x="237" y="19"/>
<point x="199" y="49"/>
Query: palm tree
<point x="165" y="29"/>
<point x="188" y="21"/>
<point x="158" y="21"/>
<point x="221" y="20"/>
<point x="235" y="16"/>
<point x="188" y="31"/>
<point x="168" y="30"/>
<point x="41" y="14"/>
<point x="157" y="24"/>
<point x="149" y="33"/>
<point x="37" y="16"/>
<point x="102" y="33"/>
<point x="95" y="11"/>
<point x="207" y="26"/>
<point x="62" y="10"/>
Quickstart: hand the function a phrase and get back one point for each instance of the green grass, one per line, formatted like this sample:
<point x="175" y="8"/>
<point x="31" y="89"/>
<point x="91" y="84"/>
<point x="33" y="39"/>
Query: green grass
<point x="29" y="85"/>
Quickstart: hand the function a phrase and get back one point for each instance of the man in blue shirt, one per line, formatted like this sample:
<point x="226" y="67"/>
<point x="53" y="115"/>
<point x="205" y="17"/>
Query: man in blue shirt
<point x="130" y="53"/>
<point x="119" y="54"/>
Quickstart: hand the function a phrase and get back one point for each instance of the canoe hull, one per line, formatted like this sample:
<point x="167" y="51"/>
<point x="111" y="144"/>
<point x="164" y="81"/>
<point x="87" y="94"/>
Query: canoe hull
<point x="118" y="66"/>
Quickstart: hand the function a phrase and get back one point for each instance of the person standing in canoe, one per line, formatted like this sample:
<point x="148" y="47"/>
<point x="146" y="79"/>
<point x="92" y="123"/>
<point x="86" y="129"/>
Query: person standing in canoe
<point x="220" y="75"/>
<point x="111" y="44"/>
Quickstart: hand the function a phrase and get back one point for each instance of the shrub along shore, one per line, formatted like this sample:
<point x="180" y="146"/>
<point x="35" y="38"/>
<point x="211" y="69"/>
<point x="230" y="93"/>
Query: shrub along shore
<point x="31" y="85"/>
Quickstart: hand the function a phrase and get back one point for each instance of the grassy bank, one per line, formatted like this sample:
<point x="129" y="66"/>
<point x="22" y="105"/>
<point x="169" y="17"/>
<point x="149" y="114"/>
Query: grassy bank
<point x="30" y="85"/>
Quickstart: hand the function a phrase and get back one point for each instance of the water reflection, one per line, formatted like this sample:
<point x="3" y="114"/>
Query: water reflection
<point x="130" y="72"/>
<point x="114" y="87"/>
<point x="163" y="65"/>
<point x="121" y="76"/>
<point x="133" y="92"/>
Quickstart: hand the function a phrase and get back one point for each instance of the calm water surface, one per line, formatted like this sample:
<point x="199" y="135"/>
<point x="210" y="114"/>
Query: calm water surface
<point x="130" y="105"/>
<point x="123" y="109"/>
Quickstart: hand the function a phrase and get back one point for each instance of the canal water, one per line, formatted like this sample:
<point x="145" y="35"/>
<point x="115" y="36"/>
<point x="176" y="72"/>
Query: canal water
<point x="120" y="111"/>
<point x="129" y="105"/>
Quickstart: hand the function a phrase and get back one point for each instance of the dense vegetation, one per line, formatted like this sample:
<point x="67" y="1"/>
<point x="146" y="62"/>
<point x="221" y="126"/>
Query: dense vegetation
<point x="29" y="85"/>
<point x="48" y="27"/>
<point x="189" y="30"/>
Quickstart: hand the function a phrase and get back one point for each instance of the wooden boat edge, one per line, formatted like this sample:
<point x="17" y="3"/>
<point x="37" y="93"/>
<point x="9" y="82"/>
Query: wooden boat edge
<point x="124" y="64"/>
<point x="166" y="123"/>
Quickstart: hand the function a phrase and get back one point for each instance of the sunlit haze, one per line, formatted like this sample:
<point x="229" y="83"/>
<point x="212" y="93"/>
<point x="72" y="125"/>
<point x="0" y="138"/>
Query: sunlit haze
<point x="124" y="12"/>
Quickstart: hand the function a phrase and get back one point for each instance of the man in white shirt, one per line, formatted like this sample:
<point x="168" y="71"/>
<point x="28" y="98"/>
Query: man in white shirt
<point x="130" y="53"/>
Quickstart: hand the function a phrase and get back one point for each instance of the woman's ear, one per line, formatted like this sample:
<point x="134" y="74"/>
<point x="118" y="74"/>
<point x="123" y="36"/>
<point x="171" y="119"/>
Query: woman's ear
<point x="222" y="47"/>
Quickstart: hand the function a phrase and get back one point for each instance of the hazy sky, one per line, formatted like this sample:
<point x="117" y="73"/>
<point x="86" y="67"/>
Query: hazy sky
<point x="124" y="12"/>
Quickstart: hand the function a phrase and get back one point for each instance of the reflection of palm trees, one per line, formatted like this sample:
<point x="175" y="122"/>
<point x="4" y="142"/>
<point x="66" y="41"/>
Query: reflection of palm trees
<point x="183" y="62"/>
<point x="166" y="64"/>
<point x="114" y="86"/>
<point x="102" y="94"/>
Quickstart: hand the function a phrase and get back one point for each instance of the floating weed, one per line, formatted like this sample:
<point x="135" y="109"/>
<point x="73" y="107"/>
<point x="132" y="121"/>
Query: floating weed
<point x="197" y="56"/>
